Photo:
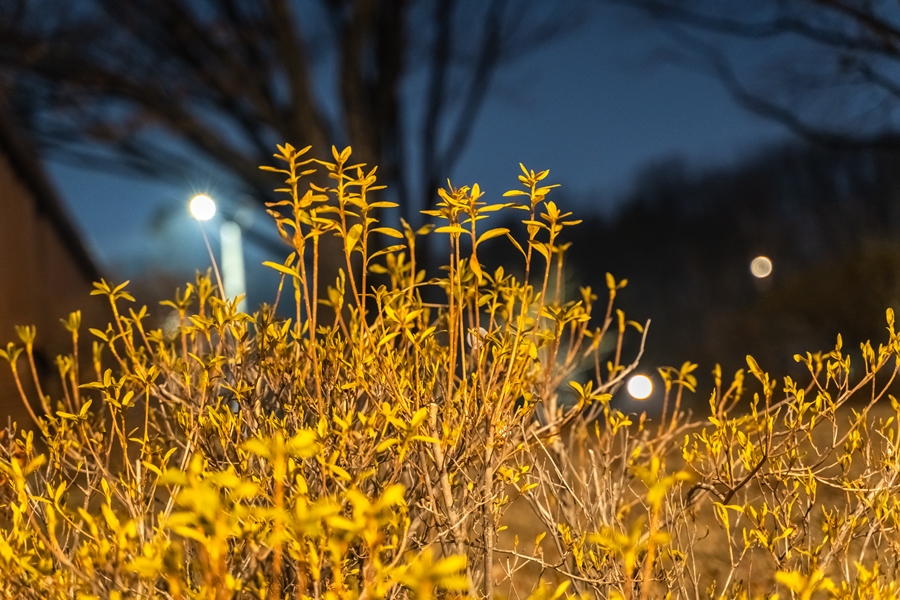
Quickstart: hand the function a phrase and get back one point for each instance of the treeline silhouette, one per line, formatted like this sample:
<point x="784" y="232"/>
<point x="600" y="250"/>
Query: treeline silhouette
<point x="829" y="220"/>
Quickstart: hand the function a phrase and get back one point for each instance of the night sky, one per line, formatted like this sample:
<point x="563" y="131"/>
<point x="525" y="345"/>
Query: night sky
<point x="594" y="107"/>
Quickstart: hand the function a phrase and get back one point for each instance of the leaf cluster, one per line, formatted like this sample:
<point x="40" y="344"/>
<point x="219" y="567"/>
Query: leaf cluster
<point x="393" y="447"/>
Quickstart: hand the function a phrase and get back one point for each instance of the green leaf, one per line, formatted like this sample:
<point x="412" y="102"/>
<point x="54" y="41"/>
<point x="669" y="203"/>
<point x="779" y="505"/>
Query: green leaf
<point x="388" y="250"/>
<point x="476" y="268"/>
<point x="389" y="231"/>
<point x="492" y="234"/>
<point x="517" y="245"/>
<point x="754" y="367"/>
<point x="258" y="447"/>
<point x="353" y="236"/>
<point x="152" y="468"/>
<point x="303" y="444"/>
<point x="340" y="472"/>
<point x="99" y="334"/>
<point x="542" y="248"/>
<point x="383" y="204"/>
<point x="425" y="438"/>
<point x="450" y="229"/>
<point x="281" y="268"/>
<point x="449" y="566"/>
<point x="386" y="445"/>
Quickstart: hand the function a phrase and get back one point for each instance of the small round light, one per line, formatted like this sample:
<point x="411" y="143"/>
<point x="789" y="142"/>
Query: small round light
<point x="203" y="208"/>
<point x="761" y="267"/>
<point x="640" y="387"/>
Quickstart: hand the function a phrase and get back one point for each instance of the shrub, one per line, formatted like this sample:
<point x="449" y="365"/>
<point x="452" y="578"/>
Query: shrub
<point x="393" y="447"/>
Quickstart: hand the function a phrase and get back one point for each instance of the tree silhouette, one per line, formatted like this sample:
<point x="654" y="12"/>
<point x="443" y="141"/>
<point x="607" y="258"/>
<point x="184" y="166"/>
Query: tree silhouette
<point x="160" y="86"/>
<point x="685" y="237"/>
<point x="825" y="69"/>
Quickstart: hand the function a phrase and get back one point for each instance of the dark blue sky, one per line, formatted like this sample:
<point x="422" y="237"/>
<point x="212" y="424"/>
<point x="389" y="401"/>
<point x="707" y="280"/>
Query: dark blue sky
<point x="595" y="107"/>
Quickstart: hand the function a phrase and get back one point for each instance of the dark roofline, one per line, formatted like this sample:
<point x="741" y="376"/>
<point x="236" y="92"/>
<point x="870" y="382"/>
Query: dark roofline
<point x="26" y="165"/>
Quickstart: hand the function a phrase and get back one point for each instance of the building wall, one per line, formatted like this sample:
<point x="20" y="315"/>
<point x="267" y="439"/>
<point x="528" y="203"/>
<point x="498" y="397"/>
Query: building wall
<point x="41" y="281"/>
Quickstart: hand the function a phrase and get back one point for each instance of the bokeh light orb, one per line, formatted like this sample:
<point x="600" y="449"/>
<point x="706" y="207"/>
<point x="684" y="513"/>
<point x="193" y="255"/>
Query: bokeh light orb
<point x="761" y="267"/>
<point x="203" y="208"/>
<point x="640" y="387"/>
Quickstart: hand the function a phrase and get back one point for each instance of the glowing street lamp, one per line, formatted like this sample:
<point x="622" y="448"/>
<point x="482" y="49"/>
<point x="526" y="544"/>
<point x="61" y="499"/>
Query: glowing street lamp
<point x="761" y="267"/>
<point x="640" y="387"/>
<point x="203" y="208"/>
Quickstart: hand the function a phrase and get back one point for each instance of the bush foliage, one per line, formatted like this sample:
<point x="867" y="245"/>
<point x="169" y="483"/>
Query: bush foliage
<point x="380" y="445"/>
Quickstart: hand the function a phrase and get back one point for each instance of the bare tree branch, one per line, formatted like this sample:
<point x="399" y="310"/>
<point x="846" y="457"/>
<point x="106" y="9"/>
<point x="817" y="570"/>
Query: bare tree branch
<point x="759" y="104"/>
<point x="478" y="87"/>
<point x="440" y="63"/>
<point x="229" y="79"/>
<point x="857" y="50"/>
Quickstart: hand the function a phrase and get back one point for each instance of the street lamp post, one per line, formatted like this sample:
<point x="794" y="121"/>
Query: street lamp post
<point x="203" y="208"/>
<point x="233" y="263"/>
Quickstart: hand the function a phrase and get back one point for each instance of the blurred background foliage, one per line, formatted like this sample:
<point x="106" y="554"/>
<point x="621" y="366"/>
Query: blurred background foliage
<point x="168" y="88"/>
<point x="829" y="220"/>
